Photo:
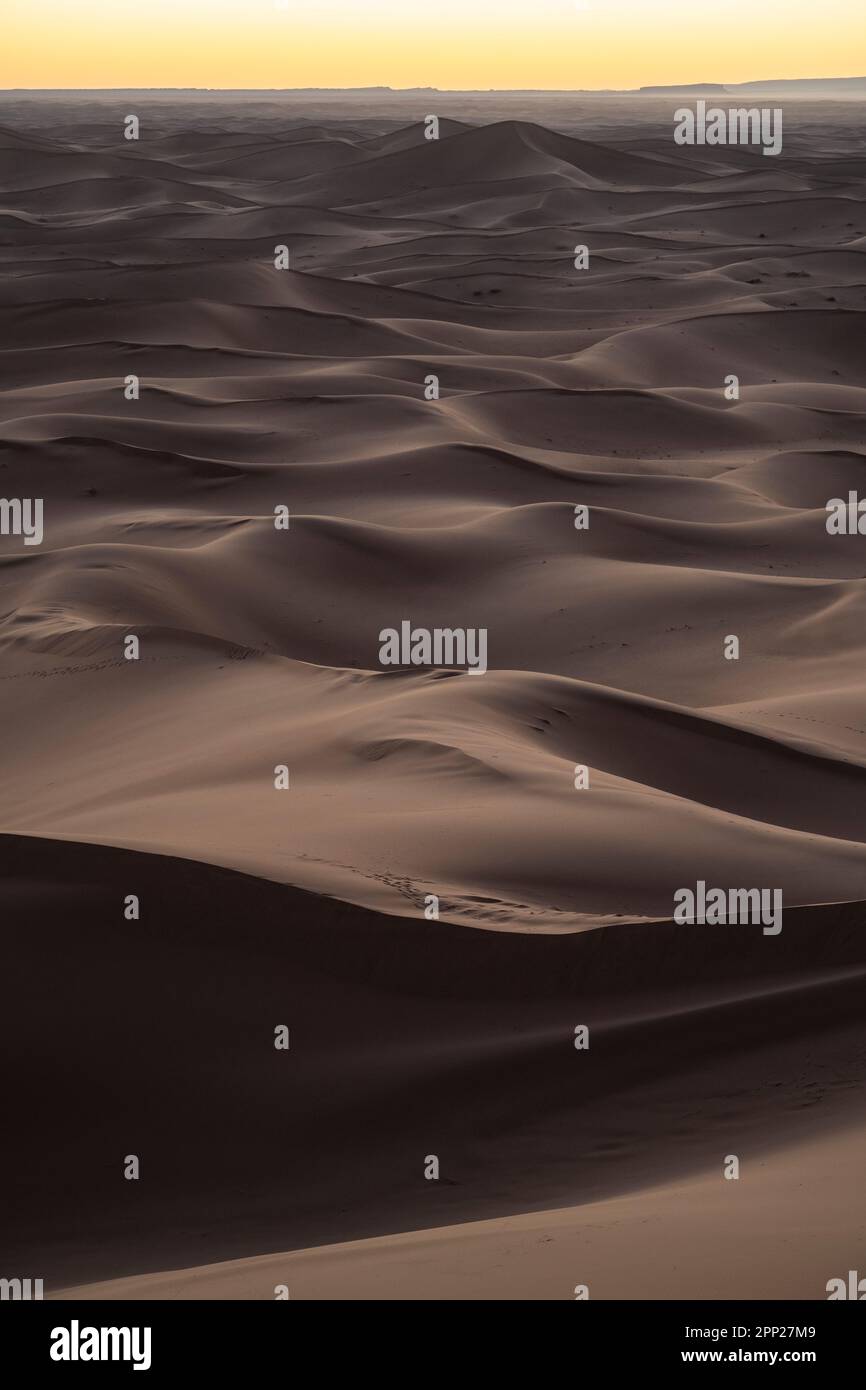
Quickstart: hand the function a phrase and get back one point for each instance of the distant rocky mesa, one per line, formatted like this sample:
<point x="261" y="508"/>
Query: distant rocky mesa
<point x="797" y="86"/>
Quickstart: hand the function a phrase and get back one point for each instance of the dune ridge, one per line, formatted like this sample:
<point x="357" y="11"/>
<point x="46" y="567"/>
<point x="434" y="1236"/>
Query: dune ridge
<point x="304" y="388"/>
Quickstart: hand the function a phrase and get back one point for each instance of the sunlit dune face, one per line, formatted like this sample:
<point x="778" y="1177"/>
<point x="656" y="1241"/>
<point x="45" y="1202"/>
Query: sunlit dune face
<point x="458" y="44"/>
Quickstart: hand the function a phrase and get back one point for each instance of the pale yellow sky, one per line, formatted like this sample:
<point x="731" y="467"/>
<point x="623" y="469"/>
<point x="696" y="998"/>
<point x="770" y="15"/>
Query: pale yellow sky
<point x="435" y="43"/>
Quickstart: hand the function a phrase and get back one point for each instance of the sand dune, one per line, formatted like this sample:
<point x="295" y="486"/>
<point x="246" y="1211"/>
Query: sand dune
<point x="306" y="388"/>
<point x="652" y="1244"/>
<point x="436" y="1039"/>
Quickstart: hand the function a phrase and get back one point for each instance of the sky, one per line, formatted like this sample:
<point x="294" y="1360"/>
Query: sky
<point x="451" y="44"/>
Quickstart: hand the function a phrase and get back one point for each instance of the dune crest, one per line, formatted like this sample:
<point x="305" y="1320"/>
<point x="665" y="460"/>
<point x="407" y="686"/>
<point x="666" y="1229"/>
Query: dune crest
<point x="288" y="380"/>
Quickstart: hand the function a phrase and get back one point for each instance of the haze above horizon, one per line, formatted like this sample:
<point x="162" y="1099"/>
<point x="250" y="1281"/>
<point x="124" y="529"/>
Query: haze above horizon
<point x="460" y="45"/>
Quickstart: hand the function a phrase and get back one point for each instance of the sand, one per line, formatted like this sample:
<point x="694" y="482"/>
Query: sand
<point x="304" y="388"/>
<point x="660" y="1243"/>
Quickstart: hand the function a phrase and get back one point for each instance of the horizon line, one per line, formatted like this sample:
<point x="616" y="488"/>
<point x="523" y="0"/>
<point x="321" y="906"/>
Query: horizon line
<point x="648" y="89"/>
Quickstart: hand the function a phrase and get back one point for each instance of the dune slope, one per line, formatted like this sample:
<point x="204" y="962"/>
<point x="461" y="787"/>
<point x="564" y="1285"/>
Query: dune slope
<point x="256" y="308"/>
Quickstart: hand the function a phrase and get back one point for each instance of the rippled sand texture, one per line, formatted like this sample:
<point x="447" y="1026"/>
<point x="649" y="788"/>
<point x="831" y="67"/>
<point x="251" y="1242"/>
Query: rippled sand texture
<point x="305" y="388"/>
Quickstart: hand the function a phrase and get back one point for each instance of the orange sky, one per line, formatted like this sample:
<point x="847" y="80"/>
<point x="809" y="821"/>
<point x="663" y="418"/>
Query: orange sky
<point x="441" y="43"/>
